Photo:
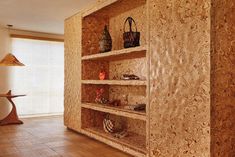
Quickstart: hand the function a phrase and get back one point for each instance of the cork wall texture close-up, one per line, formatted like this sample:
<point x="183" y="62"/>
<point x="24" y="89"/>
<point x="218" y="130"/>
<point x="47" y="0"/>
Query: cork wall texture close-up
<point x="223" y="79"/>
<point x="179" y="78"/>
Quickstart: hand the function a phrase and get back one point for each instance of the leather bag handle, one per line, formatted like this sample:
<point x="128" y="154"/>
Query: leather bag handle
<point x="130" y="19"/>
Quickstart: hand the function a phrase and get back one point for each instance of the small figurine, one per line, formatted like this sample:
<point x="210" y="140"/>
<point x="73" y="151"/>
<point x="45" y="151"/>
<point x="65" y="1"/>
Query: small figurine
<point x="121" y="134"/>
<point x="102" y="75"/>
<point x="99" y="97"/>
<point x="136" y="107"/>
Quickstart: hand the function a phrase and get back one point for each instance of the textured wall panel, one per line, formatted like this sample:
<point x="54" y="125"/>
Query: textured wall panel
<point x="223" y="79"/>
<point x="91" y="69"/>
<point x="72" y="96"/>
<point x="136" y="126"/>
<point x="180" y="78"/>
<point x="91" y="118"/>
<point x="137" y="67"/>
<point x="89" y="92"/>
<point x="128" y="94"/>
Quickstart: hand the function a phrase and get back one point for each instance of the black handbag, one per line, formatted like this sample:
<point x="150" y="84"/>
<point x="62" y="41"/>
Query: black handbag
<point x="131" y="39"/>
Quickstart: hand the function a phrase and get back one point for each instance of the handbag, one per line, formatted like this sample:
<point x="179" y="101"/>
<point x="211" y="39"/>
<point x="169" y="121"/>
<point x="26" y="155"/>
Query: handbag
<point x="131" y="39"/>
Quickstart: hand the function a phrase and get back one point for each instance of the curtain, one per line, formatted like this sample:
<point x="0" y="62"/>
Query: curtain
<point x="41" y="79"/>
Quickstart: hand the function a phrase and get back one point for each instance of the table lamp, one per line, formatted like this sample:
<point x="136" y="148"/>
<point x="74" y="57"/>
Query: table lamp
<point x="12" y="117"/>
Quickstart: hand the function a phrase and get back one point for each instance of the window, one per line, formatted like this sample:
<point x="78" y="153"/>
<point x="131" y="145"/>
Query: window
<point x="42" y="79"/>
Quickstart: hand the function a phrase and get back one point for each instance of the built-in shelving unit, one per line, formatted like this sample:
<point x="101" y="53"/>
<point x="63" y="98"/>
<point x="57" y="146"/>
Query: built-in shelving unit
<point x="161" y="32"/>
<point x="115" y="63"/>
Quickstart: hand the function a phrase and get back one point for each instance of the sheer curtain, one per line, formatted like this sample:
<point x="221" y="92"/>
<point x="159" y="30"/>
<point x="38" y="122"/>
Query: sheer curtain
<point x="42" y="79"/>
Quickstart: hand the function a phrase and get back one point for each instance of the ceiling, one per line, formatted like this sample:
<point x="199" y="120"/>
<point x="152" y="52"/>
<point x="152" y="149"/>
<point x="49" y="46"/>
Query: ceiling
<point x="39" y="15"/>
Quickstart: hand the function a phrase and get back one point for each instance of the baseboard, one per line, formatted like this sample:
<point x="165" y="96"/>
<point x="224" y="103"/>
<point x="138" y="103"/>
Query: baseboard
<point x="41" y="115"/>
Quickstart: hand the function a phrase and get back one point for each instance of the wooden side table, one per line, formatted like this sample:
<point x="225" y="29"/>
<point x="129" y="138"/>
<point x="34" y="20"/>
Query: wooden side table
<point x="12" y="117"/>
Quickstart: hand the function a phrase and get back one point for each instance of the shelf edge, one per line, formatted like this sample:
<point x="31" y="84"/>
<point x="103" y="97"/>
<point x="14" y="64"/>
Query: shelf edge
<point x="116" y="82"/>
<point x="119" y="112"/>
<point x="114" y="53"/>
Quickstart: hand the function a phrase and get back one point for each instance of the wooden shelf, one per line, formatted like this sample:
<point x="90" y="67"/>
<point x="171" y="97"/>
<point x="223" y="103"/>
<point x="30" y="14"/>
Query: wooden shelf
<point x="120" y="111"/>
<point x="128" y="53"/>
<point x="136" y="143"/>
<point x="116" y="82"/>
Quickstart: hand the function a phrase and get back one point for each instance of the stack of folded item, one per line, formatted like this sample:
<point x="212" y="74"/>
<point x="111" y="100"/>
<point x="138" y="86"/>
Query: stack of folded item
<point x="121" y="134"/>
<point x="129" y="77"/>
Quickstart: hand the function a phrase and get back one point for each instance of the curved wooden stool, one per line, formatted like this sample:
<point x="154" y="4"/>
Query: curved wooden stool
<point x="12" y="117"/>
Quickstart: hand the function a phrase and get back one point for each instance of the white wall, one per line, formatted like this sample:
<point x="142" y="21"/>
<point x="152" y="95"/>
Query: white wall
<point x="5" y="41"/>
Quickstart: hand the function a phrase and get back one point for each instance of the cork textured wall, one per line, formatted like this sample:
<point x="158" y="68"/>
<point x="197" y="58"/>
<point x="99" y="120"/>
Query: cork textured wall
<point x="134" y="66"/>
<point x="91" y="118"/>
<point x="223" y="79"/>
<point x="72" y="89"/>
<point x="91" y="69"/>
<point x="89" y="92"/>
<point x="179" y="78"/>
<point x="128" y="94"/>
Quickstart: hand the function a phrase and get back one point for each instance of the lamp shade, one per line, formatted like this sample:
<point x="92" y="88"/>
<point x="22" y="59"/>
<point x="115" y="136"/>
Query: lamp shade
<point x="10" y="60"/>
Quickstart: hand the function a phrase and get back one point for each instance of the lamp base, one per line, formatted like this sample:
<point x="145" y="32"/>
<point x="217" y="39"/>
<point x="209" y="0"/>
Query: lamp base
<point x="12" y="118"/>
